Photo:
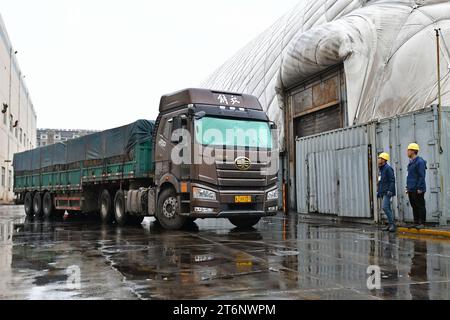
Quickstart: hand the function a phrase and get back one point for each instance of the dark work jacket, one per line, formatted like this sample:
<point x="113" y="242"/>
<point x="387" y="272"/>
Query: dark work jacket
<point x="387" y="181"/>
<point x="417" y="171"/>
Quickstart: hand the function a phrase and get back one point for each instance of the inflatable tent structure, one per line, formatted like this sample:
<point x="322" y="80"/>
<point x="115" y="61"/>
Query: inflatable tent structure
<point x="332" y="64"/>
<point x="387" y="49"/>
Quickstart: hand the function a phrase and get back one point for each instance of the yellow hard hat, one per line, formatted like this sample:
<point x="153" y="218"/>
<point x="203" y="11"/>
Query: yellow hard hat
<point x="385" y="156"/>
<point x="414" y="146"/>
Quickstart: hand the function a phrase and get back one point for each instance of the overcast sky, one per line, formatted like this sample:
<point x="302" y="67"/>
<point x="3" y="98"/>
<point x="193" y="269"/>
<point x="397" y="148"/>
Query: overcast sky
<point x="96" y="64"/>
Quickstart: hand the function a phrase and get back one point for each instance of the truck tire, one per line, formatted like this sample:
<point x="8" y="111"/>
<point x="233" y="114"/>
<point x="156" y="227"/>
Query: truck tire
<point x="28" y="204"/>
<point x="48" y="207"/>
<point x="122" y="217"/>
<point x="167" y="211"/>
<point x="37" y="204"/>
<point x="106" y="207"/>
<point x="245" y="223"/>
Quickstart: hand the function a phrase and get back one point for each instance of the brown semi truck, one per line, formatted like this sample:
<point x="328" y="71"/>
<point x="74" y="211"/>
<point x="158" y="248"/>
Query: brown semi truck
<point x="208" y="155"/>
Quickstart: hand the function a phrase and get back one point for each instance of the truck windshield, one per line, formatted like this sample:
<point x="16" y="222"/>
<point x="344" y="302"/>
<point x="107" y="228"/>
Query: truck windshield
<point x="221" y="132"/>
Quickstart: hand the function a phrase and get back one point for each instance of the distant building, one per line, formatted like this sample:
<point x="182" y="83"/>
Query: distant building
<point x="46" y="137"/>
<point x="17" y="115"/>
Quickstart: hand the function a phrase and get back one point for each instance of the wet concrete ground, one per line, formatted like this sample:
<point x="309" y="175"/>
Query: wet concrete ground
<point x="284" y="258"/>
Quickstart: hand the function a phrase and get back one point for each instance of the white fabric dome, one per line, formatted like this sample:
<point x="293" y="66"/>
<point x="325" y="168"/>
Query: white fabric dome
<point x="388" y="49"/>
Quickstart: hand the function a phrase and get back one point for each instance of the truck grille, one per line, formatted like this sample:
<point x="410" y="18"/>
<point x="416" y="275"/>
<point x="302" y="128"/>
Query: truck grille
<point x="229" y="175"/>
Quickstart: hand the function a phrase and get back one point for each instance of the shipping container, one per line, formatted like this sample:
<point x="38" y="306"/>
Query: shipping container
<point x="336" y="172"/>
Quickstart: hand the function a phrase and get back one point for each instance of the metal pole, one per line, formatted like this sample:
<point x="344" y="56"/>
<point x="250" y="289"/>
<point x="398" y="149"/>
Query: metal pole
<point x="442" y="218"/>
<point x="438" y="54"/>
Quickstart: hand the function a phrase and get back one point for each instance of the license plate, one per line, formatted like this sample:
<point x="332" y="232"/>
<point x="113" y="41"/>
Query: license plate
<point x="243" y="199"/>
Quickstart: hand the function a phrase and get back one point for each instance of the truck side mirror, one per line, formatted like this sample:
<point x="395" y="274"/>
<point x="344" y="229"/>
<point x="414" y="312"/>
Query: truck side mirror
<point x="273" y="126"/>
<point x="200" y="115"/>
<point x="176" y="125"/>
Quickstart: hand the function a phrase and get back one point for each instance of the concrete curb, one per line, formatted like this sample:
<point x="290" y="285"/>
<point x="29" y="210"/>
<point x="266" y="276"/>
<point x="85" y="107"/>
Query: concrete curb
<point x="425" y="232"/>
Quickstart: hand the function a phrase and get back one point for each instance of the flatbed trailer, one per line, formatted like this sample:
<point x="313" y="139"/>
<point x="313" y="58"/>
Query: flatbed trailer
<point x="70" y="172"/>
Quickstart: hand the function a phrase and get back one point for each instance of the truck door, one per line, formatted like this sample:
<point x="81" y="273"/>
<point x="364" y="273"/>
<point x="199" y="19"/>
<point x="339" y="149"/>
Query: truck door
<point x="166" y="143"/>
<point x="163" y="147"/>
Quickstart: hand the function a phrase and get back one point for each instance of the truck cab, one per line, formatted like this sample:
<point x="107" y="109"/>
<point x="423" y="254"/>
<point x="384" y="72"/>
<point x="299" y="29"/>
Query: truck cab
<point x="215" y="156"/>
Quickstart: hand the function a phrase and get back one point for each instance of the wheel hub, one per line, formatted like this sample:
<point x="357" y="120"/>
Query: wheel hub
<point x="170" y="208"/>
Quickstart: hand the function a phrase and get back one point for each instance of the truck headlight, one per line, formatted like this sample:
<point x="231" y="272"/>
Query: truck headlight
<point x="203" y="194"/>
<point x="272" y="195"/>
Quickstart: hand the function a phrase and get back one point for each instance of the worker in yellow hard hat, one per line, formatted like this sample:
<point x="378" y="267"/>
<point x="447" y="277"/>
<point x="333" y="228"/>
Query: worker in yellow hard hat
<point x="386" y="188"/>
<point x="416" y="186"/>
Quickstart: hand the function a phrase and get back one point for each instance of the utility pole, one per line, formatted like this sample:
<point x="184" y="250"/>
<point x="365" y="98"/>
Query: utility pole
<point x="438" y="54"/>
<point x="442" y="166"/>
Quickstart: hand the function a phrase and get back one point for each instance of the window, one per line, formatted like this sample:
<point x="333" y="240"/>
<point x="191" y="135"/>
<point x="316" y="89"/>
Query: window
<point x="3" y="177"/>
<point x="16" y="132"/>
<point x="9" y="180"/>
<point x="21" y="135"/>
<point x="44" y="136"/>
<point x="43" y="143"/>
<point x="11" y="122"/>
<point x="25" y="139"/>
<point x="57" y="137"/>
<point x="5" y="119"/>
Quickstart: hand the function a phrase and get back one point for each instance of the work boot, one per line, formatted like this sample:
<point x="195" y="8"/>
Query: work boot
<point x="393" y="228"/>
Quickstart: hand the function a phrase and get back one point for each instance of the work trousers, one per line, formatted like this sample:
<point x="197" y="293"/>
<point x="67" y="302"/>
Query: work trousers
<point x="388" y="210"/>
<point x="418" y="206"/>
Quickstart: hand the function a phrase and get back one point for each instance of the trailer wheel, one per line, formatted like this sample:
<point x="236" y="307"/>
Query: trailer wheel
<point x="245" y="223"/>
<point x="28" y="204"/>
<point x="37" y="204"/>
<point x="167" y="211"/>
<point x="106" y="208"/>
<point x="48" y="208"/>
<point x="122" y="217"/>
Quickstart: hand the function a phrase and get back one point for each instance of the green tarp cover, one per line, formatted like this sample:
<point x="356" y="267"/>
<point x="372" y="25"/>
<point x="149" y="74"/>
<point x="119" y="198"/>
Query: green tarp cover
<point x="106" y="144"/>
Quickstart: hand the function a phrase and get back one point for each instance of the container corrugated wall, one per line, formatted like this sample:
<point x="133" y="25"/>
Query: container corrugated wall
<point x="394" y="135"/>
<point x="331" y="169"/>
<point x="334" y="168"/>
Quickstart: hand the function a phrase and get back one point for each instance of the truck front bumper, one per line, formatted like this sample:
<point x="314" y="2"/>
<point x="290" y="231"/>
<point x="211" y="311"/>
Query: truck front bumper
<point x="226" y="207"/>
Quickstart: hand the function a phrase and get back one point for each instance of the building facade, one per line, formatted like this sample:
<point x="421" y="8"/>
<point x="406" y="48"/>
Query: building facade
<point x="47" y="137"/>
<point x="17" y="115"/>
<point x="333" y="64"/>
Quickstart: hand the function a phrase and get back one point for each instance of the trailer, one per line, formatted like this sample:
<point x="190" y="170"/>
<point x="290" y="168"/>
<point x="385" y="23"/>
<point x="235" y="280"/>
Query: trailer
<point x="127" y="173"/>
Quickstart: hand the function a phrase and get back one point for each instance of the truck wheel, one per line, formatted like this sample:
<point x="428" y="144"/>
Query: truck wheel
<point x="28" y="204"/>
<point x="37" y="204"/>
<point x="106" y="208"/>
<point x="120" y="213"/>
<point x="48" y="208"/>
<point x="245" y="223"/>
<point x="167" y="211"/>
